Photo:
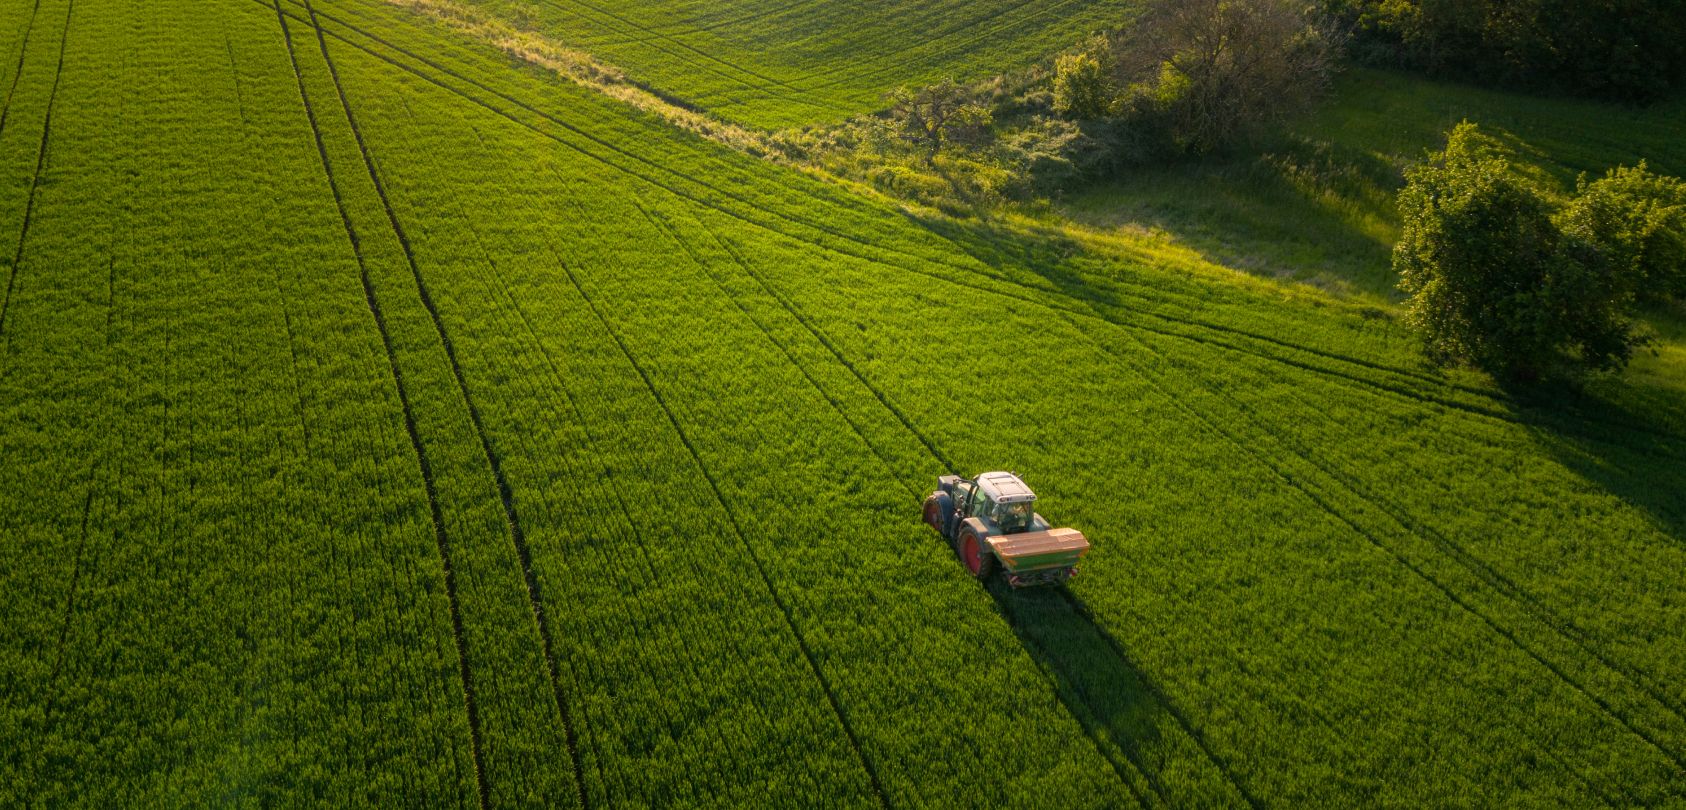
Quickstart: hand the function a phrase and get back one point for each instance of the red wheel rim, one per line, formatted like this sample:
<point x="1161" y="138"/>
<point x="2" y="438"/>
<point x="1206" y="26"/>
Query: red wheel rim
<point x="969" y="552"/>
<point x="931" y="515"/>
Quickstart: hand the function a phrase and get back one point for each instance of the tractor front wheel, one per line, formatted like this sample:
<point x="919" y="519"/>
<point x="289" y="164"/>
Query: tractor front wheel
<point x="977" y="561"/>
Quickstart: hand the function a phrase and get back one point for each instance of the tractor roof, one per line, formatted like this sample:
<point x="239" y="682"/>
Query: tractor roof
<point x="1004" y="487"/>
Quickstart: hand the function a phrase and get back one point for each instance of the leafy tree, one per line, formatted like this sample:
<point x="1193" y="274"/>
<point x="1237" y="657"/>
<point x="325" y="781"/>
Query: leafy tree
<point x="1493" y="281"/>
<point x="1083" y="85"/>
<point x="1222" y="69"/>
<point x="936" y="115"/>
<point x="1638" y="219"/>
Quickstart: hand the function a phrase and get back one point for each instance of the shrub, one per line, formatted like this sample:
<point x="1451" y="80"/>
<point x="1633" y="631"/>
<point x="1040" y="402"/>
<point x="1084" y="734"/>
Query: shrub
<point x="1083" y="83"/>
<point x="1638" y="220"/>
<point x="1493" y="281"/>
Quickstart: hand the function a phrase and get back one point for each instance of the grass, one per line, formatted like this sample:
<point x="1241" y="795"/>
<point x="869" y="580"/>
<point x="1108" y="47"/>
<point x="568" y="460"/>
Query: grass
<point x="1316" y="204"/>
<point x="387" y="423"/>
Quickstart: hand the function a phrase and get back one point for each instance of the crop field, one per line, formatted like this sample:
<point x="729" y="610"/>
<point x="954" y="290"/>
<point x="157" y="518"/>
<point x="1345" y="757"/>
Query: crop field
<point x="776" y="63"/>
<point x="385" y="423"/>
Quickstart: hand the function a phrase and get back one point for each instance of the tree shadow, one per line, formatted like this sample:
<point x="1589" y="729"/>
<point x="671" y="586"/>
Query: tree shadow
<point x="1296" y="209"/>
<point x="1631" y="446"/>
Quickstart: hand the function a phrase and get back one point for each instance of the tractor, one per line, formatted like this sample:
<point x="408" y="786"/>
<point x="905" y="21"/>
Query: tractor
<point x="992" y="523"/>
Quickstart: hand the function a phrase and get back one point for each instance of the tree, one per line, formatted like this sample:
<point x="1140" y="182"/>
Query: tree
<point x="1638" y="219"/>
<point x="1083" y="84"/>
<point x="1493" y="281"/>
<point x="937" y="115"/>
<point x="1223" y="69"/>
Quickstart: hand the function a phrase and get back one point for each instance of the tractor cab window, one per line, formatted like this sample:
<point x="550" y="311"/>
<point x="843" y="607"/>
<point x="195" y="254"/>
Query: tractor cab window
<point x="1014" y="517"/>
<point x="963" y="492"/>
<point x="980" y="504"/>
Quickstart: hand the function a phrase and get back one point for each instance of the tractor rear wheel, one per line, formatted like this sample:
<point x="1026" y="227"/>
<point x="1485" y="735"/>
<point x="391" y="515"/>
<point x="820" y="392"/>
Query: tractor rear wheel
<point x="977" y="561"/>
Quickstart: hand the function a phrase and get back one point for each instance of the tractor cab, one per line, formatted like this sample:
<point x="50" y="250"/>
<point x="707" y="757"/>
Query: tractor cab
<point x="1001" y="501"/>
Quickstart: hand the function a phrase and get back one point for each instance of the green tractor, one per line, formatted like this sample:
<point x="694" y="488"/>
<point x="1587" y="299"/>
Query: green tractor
<point x="992" y="523"/>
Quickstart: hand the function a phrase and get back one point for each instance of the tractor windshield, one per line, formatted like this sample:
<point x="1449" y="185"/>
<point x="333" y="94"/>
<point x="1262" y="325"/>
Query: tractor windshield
<point x="1013" y="517"/>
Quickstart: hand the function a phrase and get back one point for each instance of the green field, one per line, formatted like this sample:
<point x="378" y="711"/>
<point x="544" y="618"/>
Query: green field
<point x="778" y="63"/>
<point x="385" y="423"/>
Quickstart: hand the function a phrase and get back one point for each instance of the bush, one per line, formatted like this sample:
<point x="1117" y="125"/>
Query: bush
<point x="1493" y="281"/>
<point x="1638" y="220"/>
<point x="1083" y="84"/>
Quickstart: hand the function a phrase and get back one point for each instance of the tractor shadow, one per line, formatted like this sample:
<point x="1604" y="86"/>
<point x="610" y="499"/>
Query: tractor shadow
<point x="1124" y="714"/>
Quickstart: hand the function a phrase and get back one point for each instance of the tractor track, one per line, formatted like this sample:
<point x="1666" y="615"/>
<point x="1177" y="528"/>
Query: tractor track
<point x="505" y="493"/>
<point x="769" y="82"/>
<point x="683" y="27"/>
<point x="1447" y="591"/>
<point x="702" y="265"/>
<point x="841" y="74"/>
<point x="17" y="71"/>
<point x="1492" y="577"/>
<point x="755" y="559"/>
<point x="75" y="576"/>
<point x="1020" y="290"/>
<point x="35" y="184"/>
<point x="464" y="669"/>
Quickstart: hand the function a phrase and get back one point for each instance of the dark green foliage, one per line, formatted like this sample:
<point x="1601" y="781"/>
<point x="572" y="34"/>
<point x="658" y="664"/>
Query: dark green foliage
<point x="1493" y="280"/>
<point x="1638" y="220"/>
<point x="1221" y="71"/>
<point x="1620" y="49"/>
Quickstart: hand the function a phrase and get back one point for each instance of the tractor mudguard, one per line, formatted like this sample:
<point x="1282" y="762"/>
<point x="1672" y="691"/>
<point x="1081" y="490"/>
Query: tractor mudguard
<point x="939" y="513"/>
<point x="982" y="527"/>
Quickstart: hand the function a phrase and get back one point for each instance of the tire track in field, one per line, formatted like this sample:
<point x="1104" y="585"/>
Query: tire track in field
<point x="1324" y="504"/>
<point x="505" y="493"/>
<point x="1484" y="571"/>
<point x="842" y="74"/>
<point x="464" y="669"/>
<point x="737" y="529"/>
<point x="770" y="81"/>
<point x="685" y="26"/>
<point x="494" y="281"/>
<point x="666" y="228"/>
<point x="34" y="185"/>
<point x="1276" y="470"/>
<point x="1030" y="293"/>
<point x="1164" y="700"/>
<point x="23" y="48"/>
